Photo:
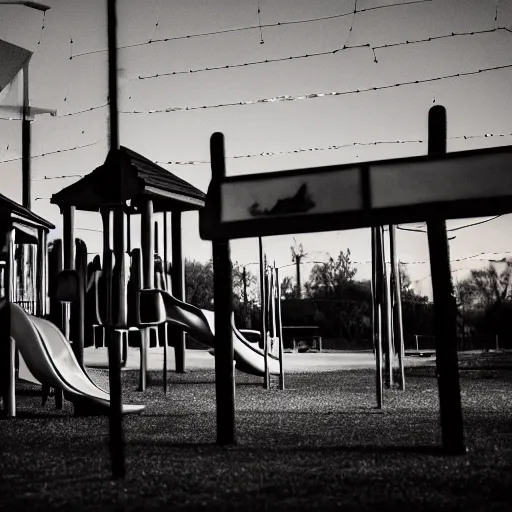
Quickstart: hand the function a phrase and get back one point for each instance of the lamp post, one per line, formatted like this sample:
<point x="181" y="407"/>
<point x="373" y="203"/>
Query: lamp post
<point x="26" y="114"/>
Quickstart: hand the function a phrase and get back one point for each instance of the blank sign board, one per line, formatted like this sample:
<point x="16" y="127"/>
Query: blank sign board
<point x="353" y="196"/>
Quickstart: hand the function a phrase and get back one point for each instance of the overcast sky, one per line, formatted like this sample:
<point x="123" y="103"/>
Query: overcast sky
<point x="476" y="104"/>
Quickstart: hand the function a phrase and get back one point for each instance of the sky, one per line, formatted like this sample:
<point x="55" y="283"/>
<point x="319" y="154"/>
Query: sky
<point x="68" y="72"/>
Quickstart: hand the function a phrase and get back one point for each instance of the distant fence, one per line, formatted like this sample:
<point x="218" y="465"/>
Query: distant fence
<point x="490" y="342"/>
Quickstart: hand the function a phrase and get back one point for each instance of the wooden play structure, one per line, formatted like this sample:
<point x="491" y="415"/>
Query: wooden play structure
<point x="370" y="194"/>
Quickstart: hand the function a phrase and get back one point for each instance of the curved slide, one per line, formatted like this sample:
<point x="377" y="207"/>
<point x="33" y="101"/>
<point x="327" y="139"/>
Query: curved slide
<point x="49" y="358"/>
<point x="200" y="324"/>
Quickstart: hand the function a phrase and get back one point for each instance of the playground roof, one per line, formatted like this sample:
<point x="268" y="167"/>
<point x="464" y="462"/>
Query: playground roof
<point x="142" y="178"/>
<point x="22" y="220"/>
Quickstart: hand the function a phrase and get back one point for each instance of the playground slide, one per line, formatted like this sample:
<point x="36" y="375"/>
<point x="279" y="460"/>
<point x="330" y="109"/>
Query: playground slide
<point x="49" y="358"/>
<point x="200" y="324"/>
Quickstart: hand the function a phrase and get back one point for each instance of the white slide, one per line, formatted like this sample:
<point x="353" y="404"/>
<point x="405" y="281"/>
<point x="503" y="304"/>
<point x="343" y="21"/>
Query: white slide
<point x="200" y="324"/>
<point x="50" y="360"/>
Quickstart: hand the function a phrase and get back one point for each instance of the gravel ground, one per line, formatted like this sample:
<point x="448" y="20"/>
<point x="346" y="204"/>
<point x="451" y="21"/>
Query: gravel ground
<point x="319" y="445"/>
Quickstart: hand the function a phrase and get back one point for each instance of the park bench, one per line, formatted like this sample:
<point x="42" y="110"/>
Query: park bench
<point x="302" y="337"/>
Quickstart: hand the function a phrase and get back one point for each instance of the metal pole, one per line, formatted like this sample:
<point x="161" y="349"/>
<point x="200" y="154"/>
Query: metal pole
<point x="25" y="141"/>
<point x="397" y="310"/>
<point x="386" y="299"/>
<point x="280" y="332"/>
<point x="377" y="328"/>
<point x="116" y="433"/>
<point x="445" y="309"/>
<point x="178" y="285"/>
<point x="263" y="307"/>
<point x="166" y="284"/>
<point x="223" y="302"/>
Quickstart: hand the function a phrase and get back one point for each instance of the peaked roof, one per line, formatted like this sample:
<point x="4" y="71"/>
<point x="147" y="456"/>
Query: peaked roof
<point x="168" y="192"/>
<point x="22" y="214"/>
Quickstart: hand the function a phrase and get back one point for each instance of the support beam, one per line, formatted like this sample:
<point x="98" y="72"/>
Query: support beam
<point x="116" y="432"/>
<point x="178" y="285"/>
<point x="445" y="308"/>
<point x="165" y="264"/>
<point x="8" y="348"/>
<point x="41" y="273"/>
<point x="398" y="332"/>
<point x="263" y="309"/>
<point x="68" y="247"/>
<point x="26" y="142"/>
<point x="386" y="315"/>
<point x="280" y="331"/>
<point x="377" y="316"/>
<point x="147" y="244"/>
<point x="223" y="300"/>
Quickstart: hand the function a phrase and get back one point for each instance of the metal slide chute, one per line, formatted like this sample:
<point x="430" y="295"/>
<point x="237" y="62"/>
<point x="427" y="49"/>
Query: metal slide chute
<point x="50" y="359"/>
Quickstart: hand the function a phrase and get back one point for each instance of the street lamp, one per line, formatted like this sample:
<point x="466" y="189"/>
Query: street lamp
<point x="31" y="5"/>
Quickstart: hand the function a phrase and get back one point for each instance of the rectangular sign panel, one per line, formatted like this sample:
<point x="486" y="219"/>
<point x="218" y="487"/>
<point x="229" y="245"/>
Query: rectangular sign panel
<point x="463" y="184"/>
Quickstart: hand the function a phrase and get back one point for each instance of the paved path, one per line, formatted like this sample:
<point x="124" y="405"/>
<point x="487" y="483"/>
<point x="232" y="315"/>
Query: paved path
<point x="293" y="363"/>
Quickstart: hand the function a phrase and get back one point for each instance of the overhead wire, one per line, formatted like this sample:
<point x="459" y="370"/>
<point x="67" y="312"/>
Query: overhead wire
<point x="288" y="97"/>
<point x="251" y="27"/>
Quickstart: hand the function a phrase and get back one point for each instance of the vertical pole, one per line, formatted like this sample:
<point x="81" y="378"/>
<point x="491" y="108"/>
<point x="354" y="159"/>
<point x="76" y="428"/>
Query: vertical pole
<point x="148" y="276"/>
<point x="40" y="274"/>
<point x="9" y="352"/>
<point x="128" y="232"/>
<point x="263" y="305"/>
<point x="223" y="301"/>
<point x="280" y="330"/>
<point x="116" y="433"/>
<point x="166" y="283"/>
<point x="68" y="247"/>
<point x="445" y="309"/>
<point x="397" y="310"/>
<point x="25" y="142"/>
<point x="178" y="285"/>
<point x="377" y="325"/>
<point x="388" y="352"/>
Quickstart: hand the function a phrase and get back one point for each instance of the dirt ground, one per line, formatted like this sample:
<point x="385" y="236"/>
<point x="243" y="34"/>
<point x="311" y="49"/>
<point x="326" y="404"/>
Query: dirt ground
<point x="319" y="445"/>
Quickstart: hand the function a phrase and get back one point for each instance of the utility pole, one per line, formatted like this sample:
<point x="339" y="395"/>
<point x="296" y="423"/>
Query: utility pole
<point x="297" y="256"/>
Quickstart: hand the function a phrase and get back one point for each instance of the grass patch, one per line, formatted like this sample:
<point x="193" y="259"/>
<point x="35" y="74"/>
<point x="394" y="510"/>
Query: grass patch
<point x="320" y="444"/>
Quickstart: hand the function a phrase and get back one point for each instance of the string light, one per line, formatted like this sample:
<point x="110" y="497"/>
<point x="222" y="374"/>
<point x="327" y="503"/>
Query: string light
<point x="59" y="177"/>
<point x="57" y="151"/>
<point x="252" y="27"/>
<point x="253" y="63"/>
<point x="287" y="97"/>
<point x="329" y="148"/>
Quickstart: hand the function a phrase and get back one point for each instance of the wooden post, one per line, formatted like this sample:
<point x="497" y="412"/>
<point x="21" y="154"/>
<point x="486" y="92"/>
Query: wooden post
<point x="223" y="303"/>
<point x="40" y="273"/>
<point x="68" y="246"/>
<point x="25" y="142"/>
<point x="116" y="433"/>
<point x="148" y="276"/>
<point x="377" y="325"/>
<point x="8" y="348"/>
<point x="263" y="306"/>
<point x="397" y="309"/>
<point x="166" y="325"/>
<point x="445" y="309"/>
<point x="280" y="331"/>
<point x="178" y="286"/>
<point x="386" y="315"/>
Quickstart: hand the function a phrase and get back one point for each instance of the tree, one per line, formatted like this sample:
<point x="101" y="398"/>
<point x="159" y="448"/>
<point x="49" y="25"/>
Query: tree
<point x="328" y="279"/>
<point x="287" y="288"/>
<point x="199" y="283"/>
